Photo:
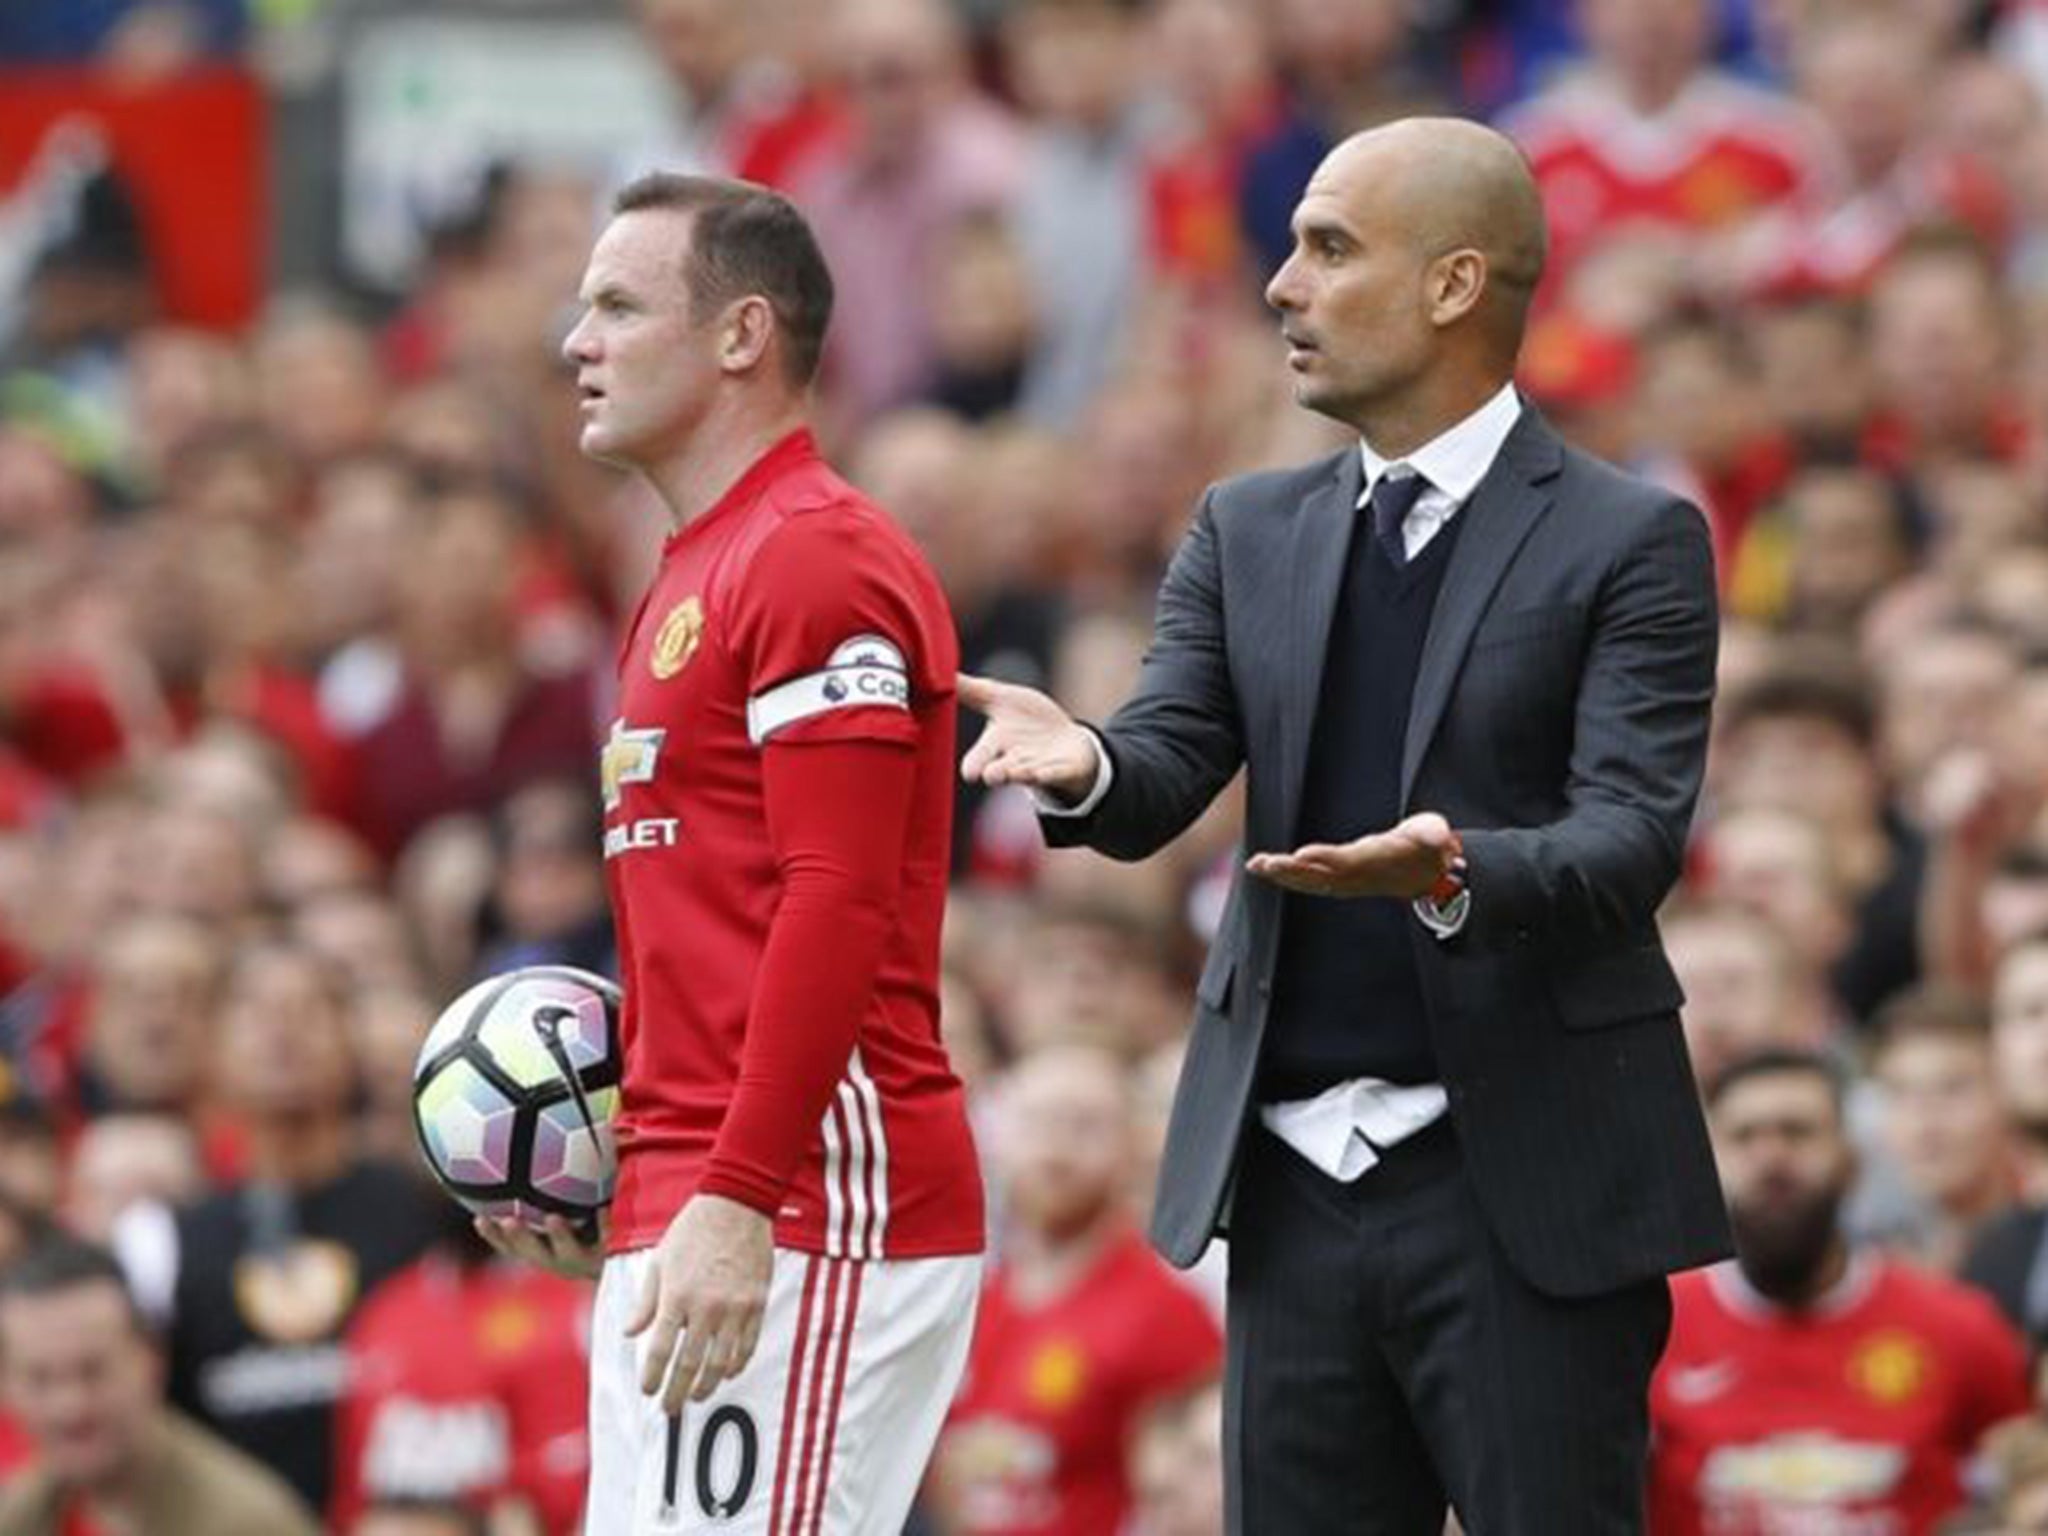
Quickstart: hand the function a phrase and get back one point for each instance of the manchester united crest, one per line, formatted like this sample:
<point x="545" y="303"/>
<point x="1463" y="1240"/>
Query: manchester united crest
<point x="676" y="641"/>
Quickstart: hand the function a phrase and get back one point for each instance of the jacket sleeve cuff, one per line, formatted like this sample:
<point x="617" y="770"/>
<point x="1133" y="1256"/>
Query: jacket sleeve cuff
<point x="1105" y="775"/>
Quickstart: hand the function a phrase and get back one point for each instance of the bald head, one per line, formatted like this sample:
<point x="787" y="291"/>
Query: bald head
<point x="1457" y="185"/>
<point x="1417" y="250"/>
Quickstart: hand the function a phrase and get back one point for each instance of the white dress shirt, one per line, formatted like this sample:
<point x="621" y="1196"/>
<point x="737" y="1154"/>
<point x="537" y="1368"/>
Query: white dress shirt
<point x="1343" y="1130"/>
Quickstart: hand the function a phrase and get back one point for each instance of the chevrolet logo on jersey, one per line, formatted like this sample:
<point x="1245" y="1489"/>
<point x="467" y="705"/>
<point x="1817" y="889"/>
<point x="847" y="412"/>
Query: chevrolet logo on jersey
<point x="629" y="757"/>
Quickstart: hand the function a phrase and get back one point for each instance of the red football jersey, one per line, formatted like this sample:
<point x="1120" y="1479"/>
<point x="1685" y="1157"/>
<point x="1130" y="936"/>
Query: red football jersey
<point x="792" y="612"/>
<point x="1855" y="1417"/>
<point x="1720" y="152"/>
<point x="1039" y="1433"/>
<point x="467" y="1383"/>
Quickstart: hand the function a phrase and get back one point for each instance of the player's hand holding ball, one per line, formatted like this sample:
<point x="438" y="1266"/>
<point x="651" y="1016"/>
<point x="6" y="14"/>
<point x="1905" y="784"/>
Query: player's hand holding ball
<point x="705" y="1296"/>
<point x="513" y="1099"/>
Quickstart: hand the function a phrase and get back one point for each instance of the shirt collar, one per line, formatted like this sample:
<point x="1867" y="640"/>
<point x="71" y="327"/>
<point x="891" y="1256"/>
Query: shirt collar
<point x="1455" y="461"/>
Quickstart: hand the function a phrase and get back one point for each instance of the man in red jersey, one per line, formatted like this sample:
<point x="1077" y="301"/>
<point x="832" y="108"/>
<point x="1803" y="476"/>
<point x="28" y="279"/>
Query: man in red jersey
<point x="794" y="1246"/>
<point x="1083" y="1327"/>
<point x="1809" y="1386"/>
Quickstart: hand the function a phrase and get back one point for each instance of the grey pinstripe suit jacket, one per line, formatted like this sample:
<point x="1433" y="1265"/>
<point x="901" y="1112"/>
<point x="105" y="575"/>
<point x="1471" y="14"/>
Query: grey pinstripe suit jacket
<point x="1560" y="722"/>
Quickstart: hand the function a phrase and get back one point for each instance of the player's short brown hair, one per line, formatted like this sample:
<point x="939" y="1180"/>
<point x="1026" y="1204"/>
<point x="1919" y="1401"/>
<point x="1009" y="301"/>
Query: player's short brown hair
<point x="744" y="241"/>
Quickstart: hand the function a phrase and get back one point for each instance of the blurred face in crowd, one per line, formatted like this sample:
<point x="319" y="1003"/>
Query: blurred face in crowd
<point x="701" y="43"/>
<point x="1944" y="691"/>
<point x="81" y="1378"/>
<point x="456" y="590"/>
<point x="1937" y="344"/>
<point x="318" y="385"/>
<point x="1813" y="372"/>
<point x="31" y="1170"/>
<point x="1806" y="764"/>
<point x="646" y="366"/>
<point x="232" y="477"/>
<point x="1738" y="974"/>
<point x="284" y="1042"/>
<point x="1864" y="75"/>
<point x="1983" y="514"/>
<point x="306" y="858"/>
<point x="120" y="1161"/>
<point x="181" y="382"/>
<point x="1779" y="865"/>
<point x="156" y="991"/>
<point x="41" y="501"/>
<point x="981" y="316"/>
<point x="1942" y="1118"/>
<point x="2019" y="1034"/>
<point x="1849" y="544"/>
<point x="1785" y="1167"/>
<point x="1080" y="979"/>
<point x="896" y="61"/>
<point x="387" y="1024"/>
<point x="1986" y="108"/>
<point x="1337" y="42"/>
<point x="1065" y="1141"/>
<point x="196" y="863"/>
<point x="1072" y="61"/>
<point x="916" y="464"/>
<point x="1211" y="54"/>
<point x="1653" y="45"/>
<point x="550" y="872"/>
<point x="1697" y="398"/>
<point x="350" y="555"/>
<point x="361" y="933"/>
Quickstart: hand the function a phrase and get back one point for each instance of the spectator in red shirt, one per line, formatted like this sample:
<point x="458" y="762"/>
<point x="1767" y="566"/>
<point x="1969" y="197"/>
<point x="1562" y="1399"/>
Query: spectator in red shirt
<point x="1648" y="135"/>
<point x="1810" y="1384"/>
<point x="467" y="1381"/>
<point x="1081" y="1326"/>
<point x="473" y="719"/>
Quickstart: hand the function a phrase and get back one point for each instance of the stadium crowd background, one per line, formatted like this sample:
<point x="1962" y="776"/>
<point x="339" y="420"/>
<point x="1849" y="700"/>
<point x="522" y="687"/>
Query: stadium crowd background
<point x="307" y="604"/>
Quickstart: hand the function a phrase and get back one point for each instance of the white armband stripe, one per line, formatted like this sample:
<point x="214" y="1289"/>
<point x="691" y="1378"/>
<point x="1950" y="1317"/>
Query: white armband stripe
<point x="862" y="673"/>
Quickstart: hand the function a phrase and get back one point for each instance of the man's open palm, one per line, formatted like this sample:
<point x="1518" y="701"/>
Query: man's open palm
<point x="1030" y="740"/>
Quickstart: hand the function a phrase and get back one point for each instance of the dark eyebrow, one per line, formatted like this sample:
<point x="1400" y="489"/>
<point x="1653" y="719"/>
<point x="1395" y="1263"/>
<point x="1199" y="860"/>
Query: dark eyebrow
<point x="608" y="293"/>
<point x="1306" y="228"/>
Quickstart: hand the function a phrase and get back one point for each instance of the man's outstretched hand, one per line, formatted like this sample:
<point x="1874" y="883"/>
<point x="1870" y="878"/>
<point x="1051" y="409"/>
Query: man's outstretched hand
<point x="1030" y="740"/>
<point x="1420" y="856"/>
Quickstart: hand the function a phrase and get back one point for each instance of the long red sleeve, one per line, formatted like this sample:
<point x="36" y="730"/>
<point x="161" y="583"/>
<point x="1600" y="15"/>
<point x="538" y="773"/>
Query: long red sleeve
<point x="837" y="812"/>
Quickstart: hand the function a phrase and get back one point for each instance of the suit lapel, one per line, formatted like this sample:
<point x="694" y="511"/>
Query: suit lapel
<point x="1322" y="540"/>
<point x="1498" y="518"/>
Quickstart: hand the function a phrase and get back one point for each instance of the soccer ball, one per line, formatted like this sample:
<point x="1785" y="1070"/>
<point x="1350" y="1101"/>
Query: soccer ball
<point x="514" y="1094"/>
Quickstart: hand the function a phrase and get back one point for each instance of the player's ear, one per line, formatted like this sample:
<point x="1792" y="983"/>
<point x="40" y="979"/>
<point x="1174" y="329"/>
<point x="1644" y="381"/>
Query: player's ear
<point x="748" y="332"/>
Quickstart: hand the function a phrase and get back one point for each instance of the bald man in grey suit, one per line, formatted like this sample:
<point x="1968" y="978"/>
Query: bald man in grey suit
<point x="1436" y="1097"/>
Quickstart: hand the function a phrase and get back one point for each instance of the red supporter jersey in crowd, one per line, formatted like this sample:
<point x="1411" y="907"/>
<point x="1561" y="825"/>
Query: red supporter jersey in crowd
<point x="1855" y="1417"/>
<point x="792" y="613"/>
<point x="470" y="1384"/>
<point x="1720" y="152"/>
<point x="1040" y="1431"/>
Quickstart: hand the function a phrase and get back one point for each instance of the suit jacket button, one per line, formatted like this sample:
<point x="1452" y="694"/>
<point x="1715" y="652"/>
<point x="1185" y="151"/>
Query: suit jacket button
<point x="1265" y="987"/>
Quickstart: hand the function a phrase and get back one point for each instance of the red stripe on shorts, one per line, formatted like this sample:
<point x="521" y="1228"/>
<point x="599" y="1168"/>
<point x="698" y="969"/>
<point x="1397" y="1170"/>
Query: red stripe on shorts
<point x="845" y="1342"/>
<point x="822" y="1354"/>
<point x="789" y="1393"/>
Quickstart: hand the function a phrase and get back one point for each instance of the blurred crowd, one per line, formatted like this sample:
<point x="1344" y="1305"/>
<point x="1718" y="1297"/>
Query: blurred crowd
<point x="305" y="649"/>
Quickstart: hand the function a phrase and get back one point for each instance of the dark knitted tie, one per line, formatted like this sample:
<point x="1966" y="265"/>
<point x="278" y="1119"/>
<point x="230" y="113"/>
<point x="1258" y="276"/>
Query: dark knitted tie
<point x="1391" y="501"/>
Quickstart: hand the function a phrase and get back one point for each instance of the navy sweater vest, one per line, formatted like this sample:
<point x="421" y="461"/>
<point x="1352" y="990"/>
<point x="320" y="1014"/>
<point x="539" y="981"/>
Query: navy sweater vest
<point x="1347" y="999"/>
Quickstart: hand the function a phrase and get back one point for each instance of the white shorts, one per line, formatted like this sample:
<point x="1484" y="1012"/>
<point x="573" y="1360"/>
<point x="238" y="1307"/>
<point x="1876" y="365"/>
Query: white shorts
<point x="827" y="1430"/>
